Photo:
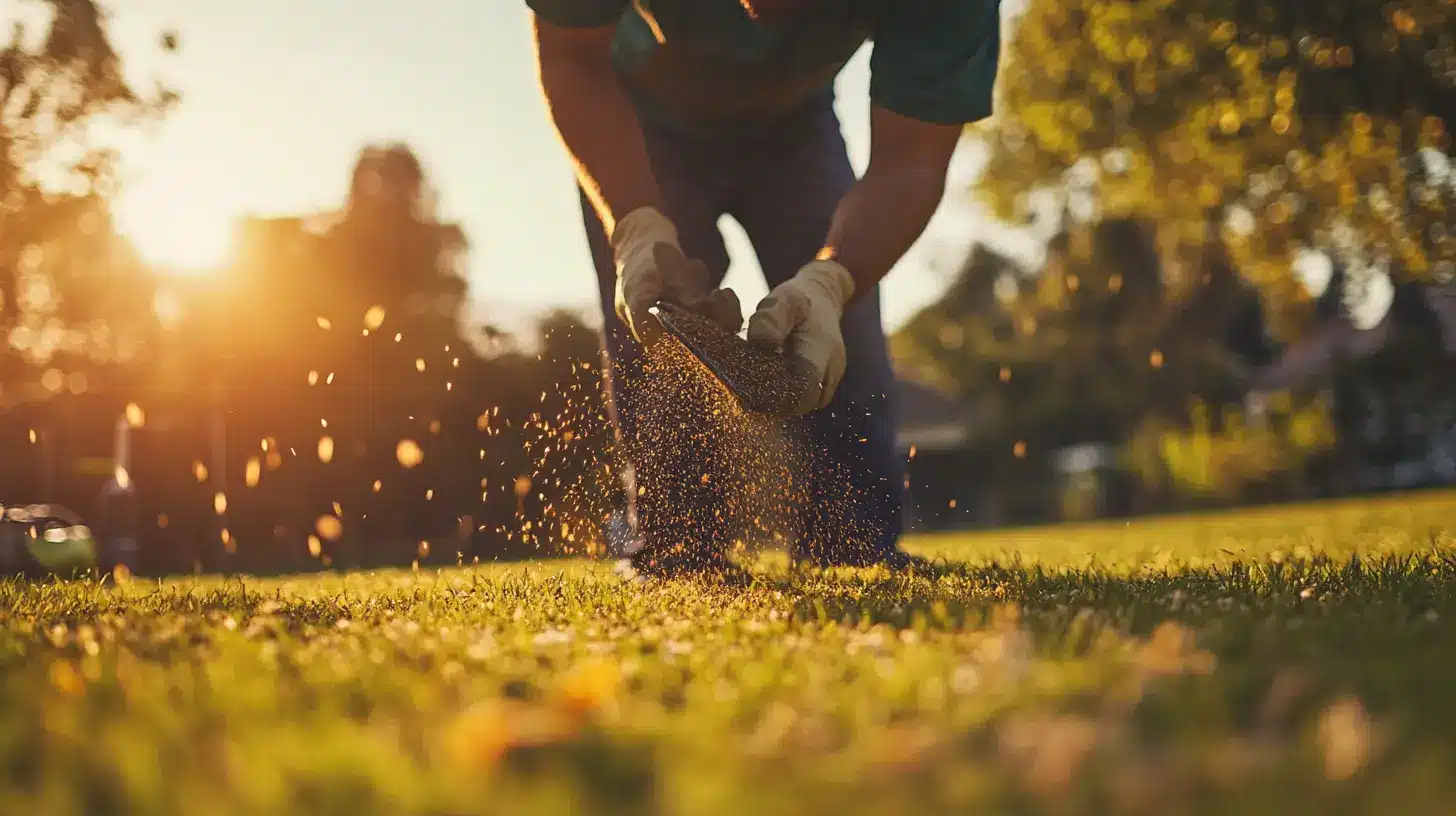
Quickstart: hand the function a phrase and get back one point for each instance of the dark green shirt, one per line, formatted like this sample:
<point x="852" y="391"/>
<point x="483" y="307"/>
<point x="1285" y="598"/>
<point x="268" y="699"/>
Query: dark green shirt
<point x="708" y="63"/>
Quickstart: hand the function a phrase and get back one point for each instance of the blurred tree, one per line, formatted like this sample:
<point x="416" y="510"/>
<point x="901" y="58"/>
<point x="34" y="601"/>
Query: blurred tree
<point x="1091" y="348"/>
<point x="347" y="351"/>
<point x="1085" y="348"/>
<point x="65" y="279"/>
<point x="341" y="334"/>
<point x="1268" y="127"/>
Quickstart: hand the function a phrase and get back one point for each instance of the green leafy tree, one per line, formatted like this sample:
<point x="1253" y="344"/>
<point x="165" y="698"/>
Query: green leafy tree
<point x="1093" y="347"/>
<point x="1267" y="127"/>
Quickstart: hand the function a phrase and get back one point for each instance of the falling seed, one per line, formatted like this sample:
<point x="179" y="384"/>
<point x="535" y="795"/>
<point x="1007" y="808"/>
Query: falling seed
<point x="398" y="337"/>
<point x="408" y="453"/>
<point x="227" y="541"/>
<point x="32" y="436"/>
<point x="430" y="494"/>
<point x="1019" y="450"/>
<point x="315" y="546"/>
<point x="330" y="379"/>
<point x="338" y="509"/>
<point x="1156" y="359"/>
<point x="219" y="503"/>
<point x="326" y="449"/>
<point x="323" y="323"/>
<point x="313" y="378"/>
<point x="253" y="472"/>
<point x="419" y="364"/>
<point x="135" y="417"/>
<point x="329" y="528"/>
<point x="952" y="504"/>
<point x="199" y="470"/>
<point x="373" y="318"/>
<point x="1005" y="374"/>
<point x="323" y="423"/>
<point x="123" y="479"/>
<point x="378" y="485"/>
<point x="424" y="549"/>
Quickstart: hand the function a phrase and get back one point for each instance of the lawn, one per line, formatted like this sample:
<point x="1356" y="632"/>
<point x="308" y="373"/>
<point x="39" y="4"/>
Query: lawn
<point x="1289" y="660"/>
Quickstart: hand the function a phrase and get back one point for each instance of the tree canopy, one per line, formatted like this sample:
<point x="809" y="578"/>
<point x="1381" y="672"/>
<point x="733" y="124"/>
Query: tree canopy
<point x="69" y="288"/>
<point x="1271" y="127"/>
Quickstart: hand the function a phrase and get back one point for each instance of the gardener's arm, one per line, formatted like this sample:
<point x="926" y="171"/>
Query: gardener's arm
<point x="598" y="125"/>
<point x="931" y="73"/>
<point x="589" y="107"/>
<point x="887" y="210"/>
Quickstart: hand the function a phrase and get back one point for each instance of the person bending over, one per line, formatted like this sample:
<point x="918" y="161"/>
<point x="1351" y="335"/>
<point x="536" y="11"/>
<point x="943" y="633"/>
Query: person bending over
<point x="677" y="112"/>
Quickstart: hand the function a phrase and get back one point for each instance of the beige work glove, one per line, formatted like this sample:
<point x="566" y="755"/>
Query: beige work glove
<point x="800" y="317"/>
<point x="651" y="267"/>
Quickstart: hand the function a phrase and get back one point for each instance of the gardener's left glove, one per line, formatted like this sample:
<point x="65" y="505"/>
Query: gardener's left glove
<point x="801" y="318"/>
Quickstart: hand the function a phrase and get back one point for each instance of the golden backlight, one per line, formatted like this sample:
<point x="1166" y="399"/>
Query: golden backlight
<point x="180" y="234"/>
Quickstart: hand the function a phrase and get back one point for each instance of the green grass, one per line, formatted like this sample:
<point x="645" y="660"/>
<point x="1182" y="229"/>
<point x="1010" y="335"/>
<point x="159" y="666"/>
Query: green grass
<point x="1275" y="661"/>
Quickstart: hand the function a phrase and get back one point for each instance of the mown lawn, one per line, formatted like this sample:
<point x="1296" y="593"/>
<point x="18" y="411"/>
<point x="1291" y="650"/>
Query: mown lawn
<point x="1295" y="660"/>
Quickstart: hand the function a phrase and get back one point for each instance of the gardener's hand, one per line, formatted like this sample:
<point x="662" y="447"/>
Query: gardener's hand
<point x="801" y="318"/>
<point x="651" y="267"/>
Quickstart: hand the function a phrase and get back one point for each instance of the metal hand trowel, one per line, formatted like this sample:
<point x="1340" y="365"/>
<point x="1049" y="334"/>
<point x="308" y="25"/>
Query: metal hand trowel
<point x="761" y="380"/>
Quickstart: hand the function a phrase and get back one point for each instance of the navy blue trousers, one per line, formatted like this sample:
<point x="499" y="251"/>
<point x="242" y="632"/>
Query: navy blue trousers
<point x="782" y="184"/>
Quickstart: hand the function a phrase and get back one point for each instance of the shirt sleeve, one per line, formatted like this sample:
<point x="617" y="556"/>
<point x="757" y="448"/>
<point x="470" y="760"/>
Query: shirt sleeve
<point x="936" y="60"/>
<point x="579" y="13"/>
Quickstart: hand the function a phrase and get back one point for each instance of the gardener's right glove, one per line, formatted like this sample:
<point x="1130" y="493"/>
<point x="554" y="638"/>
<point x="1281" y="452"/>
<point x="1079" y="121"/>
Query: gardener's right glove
<point x="801" y="317"/>
<point x="651" y="267"/>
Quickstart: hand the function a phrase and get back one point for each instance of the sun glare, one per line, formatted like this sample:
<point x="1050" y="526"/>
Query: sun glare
<point x="178" y="234"/>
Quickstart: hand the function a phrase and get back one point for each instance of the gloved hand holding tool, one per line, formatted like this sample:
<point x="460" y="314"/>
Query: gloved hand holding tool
<point x="794" y="358"/>
<point x="800" y="317"/>
<point x="651" y="268"/>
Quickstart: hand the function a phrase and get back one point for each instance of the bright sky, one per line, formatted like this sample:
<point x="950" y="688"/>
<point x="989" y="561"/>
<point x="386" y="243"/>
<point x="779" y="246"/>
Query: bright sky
<point x="279" y="95"/>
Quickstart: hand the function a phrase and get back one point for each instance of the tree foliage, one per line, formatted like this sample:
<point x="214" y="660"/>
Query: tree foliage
<point x="69" y="289"/>
<point x="339" y="340"/>
<point x="1272" y="127"/>
<point x="1091" y="346"/>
